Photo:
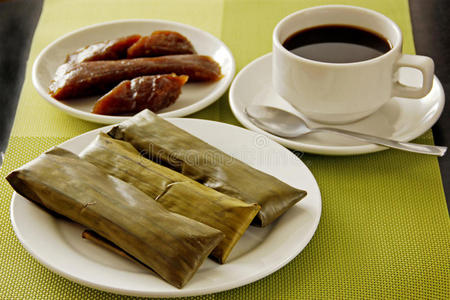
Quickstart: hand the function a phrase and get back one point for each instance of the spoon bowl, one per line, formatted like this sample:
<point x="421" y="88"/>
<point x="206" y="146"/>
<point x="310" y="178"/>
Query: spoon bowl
<point x="285" y="124"/>
<point x="277" y="121"/>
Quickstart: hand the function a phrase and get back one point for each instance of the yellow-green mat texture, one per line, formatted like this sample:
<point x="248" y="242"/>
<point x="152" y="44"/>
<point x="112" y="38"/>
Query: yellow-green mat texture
<point x="384" y="231"/>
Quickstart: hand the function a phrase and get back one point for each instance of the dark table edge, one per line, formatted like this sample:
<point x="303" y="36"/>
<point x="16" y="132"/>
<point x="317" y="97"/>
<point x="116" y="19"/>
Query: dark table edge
<point x="431" y="25"/>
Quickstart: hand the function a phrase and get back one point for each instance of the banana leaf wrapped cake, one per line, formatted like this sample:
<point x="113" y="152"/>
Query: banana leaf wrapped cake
<point x="170" y="244"/>
<point x="165" y="143"/>
<point x="174" y="191"/>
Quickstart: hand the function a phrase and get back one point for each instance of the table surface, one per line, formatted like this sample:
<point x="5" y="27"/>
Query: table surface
<point x="430" y="27"/>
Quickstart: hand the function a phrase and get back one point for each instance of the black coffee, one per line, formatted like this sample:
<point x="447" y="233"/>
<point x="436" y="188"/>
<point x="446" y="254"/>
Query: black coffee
<point x="337" y="44"/>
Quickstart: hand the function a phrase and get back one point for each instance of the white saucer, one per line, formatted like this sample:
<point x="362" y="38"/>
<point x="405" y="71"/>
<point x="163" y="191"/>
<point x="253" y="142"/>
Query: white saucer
<point x="194" y="96"/>
<point x="400" y="119"/>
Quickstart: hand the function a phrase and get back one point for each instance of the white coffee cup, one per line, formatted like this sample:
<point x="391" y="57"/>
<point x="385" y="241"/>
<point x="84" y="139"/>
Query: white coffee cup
<point x="343" y="92"/>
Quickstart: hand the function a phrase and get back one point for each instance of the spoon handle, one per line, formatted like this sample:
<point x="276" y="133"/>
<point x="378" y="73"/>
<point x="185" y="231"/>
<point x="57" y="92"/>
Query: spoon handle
<point x="411" y="147"/>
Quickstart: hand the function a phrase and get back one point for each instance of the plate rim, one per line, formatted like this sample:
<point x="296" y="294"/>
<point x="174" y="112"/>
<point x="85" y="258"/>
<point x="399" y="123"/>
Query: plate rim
<point x="107" y="119"/>
<point x="319" y="149"/>
<point x="317" y="200"/>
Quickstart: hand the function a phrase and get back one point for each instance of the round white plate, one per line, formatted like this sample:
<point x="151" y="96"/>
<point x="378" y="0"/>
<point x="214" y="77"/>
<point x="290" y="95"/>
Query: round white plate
<point x="57" y="243"/>
<point x="400" y="119"/>
<point x="194" y="96"/>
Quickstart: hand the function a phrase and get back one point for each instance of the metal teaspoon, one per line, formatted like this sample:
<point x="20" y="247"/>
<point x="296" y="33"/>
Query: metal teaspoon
<point x="284" y="124"/>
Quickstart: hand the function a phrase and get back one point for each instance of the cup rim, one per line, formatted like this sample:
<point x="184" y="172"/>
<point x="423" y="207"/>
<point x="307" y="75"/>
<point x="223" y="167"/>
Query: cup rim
<point x="395" y="47"/>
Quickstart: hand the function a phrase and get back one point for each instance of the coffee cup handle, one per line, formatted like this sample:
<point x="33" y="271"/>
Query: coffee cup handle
<point x="425" y="65"/>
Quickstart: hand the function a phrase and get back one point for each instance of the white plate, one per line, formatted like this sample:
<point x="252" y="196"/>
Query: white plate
<point x="194" y="96"/>
<point x="58" y="245"/>
<point x="400" y="119"/>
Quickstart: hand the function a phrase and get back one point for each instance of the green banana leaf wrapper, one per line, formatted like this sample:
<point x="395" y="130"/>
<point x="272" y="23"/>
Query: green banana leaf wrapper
<point x="167" y="144"/>
<point x="174" y="191"/>
<point x="172" y="245"/>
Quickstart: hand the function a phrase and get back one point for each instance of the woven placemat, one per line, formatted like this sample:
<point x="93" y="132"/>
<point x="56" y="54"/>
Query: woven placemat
<point x="384" y="231"/>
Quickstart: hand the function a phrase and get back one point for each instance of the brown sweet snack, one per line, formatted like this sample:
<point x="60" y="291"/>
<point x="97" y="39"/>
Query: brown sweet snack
<point x="161" y="43"/>
<point x="97" y="77"/>
<point x="106" y="50"/>
<point x="131" y="96"/>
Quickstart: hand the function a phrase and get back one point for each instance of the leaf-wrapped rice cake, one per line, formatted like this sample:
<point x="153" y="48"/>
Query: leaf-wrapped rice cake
<point x="174" y="191"/>
<point x="131" y="96"/>
<point x="170" y="244"/>
<point x="166" y="143"/>
<point x="163" y="42"/>
<point x="105" y="50"/>
<point x="96" y="77"/>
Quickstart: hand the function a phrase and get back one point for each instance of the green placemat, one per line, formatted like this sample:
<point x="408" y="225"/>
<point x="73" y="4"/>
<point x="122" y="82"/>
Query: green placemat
<point x="384" y="231"/>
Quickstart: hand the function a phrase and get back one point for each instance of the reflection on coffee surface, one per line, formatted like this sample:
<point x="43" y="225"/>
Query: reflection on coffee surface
<point x="337" y="44"/>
